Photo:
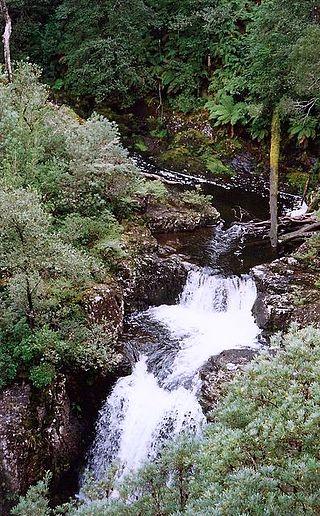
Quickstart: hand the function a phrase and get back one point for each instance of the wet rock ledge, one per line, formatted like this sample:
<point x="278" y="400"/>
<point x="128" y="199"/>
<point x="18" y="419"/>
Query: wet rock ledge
<point x="162" y="220"/>
<point x="288" y="292"/>
<point x="218" y="371"/>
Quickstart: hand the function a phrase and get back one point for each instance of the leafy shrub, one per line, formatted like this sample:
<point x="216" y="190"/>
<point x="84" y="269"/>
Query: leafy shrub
<point x="226" y="111"/>
<point x="42" y="375"/>
<point x="100" y="235"/>
<point x="196" y="199"/>
<point x="303" y="129"/>
<point x="36" y="502"/>
<point x="218" y="168"/>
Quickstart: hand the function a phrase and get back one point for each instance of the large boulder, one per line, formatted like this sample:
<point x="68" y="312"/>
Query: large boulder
<point x="152" y="280"/>
<point x="218" y="371"/>
<point x="163" y="220"/>
<point x="287" y="292"/>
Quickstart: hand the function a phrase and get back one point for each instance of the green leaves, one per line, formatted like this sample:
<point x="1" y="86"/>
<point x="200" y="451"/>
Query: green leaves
<point x="226" y="111"/>
<point x="303" y="129"/>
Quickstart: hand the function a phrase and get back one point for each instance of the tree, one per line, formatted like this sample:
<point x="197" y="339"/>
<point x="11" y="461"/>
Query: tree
<point x="31" y="254"/>
<point x="272" y="43"/>
<point x="6" y="39"/>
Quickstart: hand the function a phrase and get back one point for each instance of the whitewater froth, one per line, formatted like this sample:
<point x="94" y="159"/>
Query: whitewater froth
<point x="142" y="412"/>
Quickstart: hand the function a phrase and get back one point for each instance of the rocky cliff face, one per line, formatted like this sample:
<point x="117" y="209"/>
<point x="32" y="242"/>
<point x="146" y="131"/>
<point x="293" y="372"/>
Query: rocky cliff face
<point x="287" y="293"/>
<point x="37" y="433"/>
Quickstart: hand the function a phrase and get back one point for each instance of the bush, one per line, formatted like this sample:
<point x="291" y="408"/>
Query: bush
<point x="195" y="199"/>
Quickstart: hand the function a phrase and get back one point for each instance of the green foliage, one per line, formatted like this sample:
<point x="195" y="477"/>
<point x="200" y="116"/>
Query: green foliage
<point x="241" y="52"/>
<point x="35" y="503"/>
<point x="105" y="52"/>
<point x="32" y="254"/>
<point x="304" y="60"/>
<point x="156" y="190"/>
<point x="41" y="323"/>
<point x="216" y="166"/>
<point x="42" y="375"/>
<point x="196" y="199"/>
<point x="226" y="111"/>
<point x="101" y="235"/>
<point x="309" y="254"/>
<point x="303" y="129"/>
<point x="76" y="166"/>
<point x="261" y="453"/>
<point x="49" y="262"/>
<point x="140" y="145"/>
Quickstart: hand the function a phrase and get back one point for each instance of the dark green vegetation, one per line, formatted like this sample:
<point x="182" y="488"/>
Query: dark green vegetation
<point x="239" y="58"/>
<point x="259" y="456"/>
<point x="66" y="186"/>
<point x="180" y="66"/>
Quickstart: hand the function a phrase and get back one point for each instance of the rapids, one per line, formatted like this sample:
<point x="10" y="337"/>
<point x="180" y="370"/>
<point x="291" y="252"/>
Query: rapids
<point x="160" y="398"/>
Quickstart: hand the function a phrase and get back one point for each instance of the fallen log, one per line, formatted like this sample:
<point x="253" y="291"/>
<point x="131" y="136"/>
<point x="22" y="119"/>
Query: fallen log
<point x="301" y="233"/>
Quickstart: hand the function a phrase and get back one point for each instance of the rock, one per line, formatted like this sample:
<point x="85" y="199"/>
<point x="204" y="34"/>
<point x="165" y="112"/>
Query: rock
<point x="38" y="432"/>
<point x="219" y="371"/>
<point x="104" y="305"/>
<point x="152" y="274"/>
<point x="152" y="280"/>
<point x="177" y="123"/>
<point x="164" y="220"/>
<point x="243" y="163"/>
<point x="286" y="293"/>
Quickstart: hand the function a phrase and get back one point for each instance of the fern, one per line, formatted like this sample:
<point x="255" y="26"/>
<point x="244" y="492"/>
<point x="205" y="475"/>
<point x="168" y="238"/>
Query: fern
<point x="304" y="129"/>
<point x="227" y="111"/>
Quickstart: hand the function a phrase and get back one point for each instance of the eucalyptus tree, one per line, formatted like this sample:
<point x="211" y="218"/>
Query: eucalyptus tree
<point x="276" y="66"/>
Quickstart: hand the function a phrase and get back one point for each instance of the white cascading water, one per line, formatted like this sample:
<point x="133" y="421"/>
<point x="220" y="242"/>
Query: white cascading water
<point x="142" y="412"/>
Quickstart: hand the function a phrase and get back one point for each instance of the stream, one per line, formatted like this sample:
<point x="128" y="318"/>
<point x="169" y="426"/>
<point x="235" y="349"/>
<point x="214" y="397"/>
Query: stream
<point x="159" y="400"/>
<point x="170" y="343"/>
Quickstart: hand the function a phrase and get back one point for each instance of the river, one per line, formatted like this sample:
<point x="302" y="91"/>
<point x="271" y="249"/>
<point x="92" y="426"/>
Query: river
<point x="170" y="343"/>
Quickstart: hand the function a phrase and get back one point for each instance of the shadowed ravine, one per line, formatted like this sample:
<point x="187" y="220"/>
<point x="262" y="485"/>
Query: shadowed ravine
<point x="171" y="343"/>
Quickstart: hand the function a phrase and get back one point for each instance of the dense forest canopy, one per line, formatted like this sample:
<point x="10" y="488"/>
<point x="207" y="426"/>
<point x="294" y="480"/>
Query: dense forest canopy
<point x="242" y="60"/>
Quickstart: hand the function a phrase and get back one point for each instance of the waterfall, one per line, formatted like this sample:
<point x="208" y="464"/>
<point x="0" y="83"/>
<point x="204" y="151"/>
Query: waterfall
<point x="154" y="404"/>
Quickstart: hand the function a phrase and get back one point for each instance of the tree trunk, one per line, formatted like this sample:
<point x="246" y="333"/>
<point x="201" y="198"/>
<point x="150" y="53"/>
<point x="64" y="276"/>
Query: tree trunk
<point x="6" y="39"/>
<point x="274" y="177"/>
<point x="30" y="310"/>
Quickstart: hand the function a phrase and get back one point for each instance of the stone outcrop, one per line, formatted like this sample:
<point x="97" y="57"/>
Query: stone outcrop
<point x="104" y="305"/>
<point x="218" y="371"/>
<point x="161" y="220"/>
<point x="152" y="274"/>
<point x="287" y="293"/>
<point x="38" y="432"/>
<point x="153" y="280"/>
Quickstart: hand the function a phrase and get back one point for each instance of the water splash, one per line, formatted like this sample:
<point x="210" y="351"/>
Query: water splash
<point x="149" y="407"/>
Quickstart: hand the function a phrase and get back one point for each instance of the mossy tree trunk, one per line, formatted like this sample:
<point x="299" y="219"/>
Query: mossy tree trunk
<point x="274" y="177"/>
